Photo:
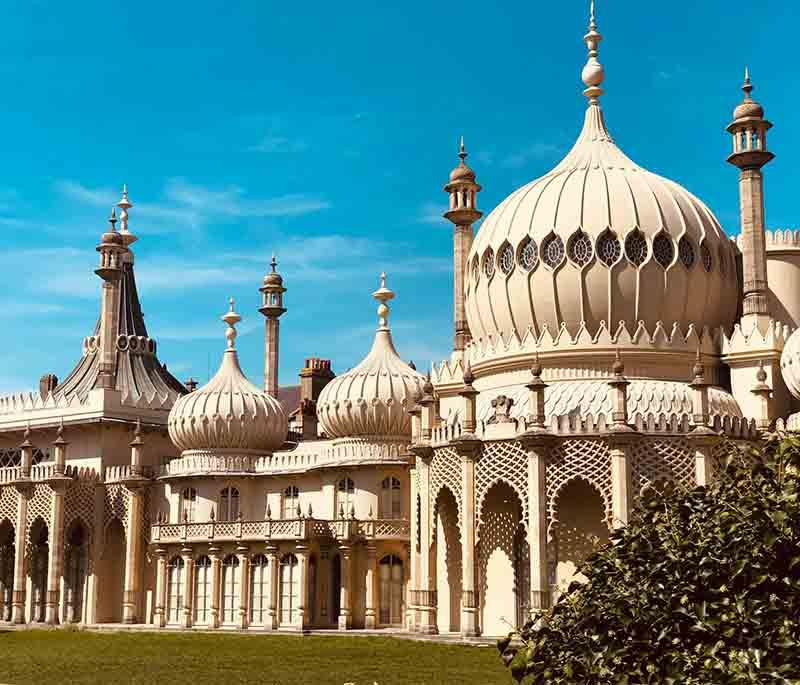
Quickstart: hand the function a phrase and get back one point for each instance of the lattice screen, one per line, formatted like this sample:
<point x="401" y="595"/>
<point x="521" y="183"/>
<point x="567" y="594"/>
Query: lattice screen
<point x="446" y="471"/>
<point x="669" y="459"/>
<point x="8" y="505"/>
<point x="502" y="461"/>
<point x="115" y="505"/>
<point x="586" y="459"/>
<point x="79" y="504"/>
<point x="39" y="505"/>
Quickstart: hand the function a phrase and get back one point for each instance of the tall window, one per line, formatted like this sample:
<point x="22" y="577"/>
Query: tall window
<point x="188" y="504"/>
<point x="290" y="589"/>
<point x="230" y="588"/>
<point x="390" y="498"/>
<point x="202" y="590"/>
<point x="345" y="496"/>
<point x="391" y="574"/>
<point x="174" y="589"/>
<point x="228" y="504"/>
<point x="259" y="590"/>
<point x="291" y="498"/>
<point x="74" y="574"/>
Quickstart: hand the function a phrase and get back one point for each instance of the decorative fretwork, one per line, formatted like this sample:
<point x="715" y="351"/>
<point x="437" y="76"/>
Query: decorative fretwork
<point x="686" y="252"/>
<point x="670" y="459"/>
<point x="115" y="505"/>
<point x="608" y="248"/>
<point x="580" y="248"/>
<point x="12" y="456"/>
<point x="39" y="506"/>
<point x="446" y="472"/>
<point x="528" y="255"/>
<point x="705" y="255"/>
<point x="663" y="249"/>
<point x="553" y="250"/>
<point x="505" y="259"/>
<point x="8" y="505"/>
<point x="488" y="262"/>
<point x="573" y="459"/>
<point x="636" y="247"/>
<point x="79" y="504"/>
<point x="504" y="461"/>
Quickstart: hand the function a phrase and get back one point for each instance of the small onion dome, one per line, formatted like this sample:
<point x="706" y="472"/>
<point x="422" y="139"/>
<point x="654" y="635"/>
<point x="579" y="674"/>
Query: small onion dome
<point x="373" y="398"/>
<point x="229" y="413"/>
<point x="462" y="172"/>
<point x="748" y="107"/>
<point x="273" y="277"/>
<point x="111" y="237"/>
<point x="790" y="364"/>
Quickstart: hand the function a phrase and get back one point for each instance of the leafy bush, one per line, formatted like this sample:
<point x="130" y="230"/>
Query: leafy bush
<point x="702" y="586"/>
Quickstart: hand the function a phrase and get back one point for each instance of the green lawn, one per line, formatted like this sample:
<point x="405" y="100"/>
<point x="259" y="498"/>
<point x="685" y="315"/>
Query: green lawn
<point x="60" y="656"/>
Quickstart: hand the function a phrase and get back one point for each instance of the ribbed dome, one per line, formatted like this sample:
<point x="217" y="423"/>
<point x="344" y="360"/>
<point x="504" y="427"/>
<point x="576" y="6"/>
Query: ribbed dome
<point x="790" y="364"/>
<point x="371" y="400"/>
<point x="229" y="413"/>
<point x="599" y="238"/>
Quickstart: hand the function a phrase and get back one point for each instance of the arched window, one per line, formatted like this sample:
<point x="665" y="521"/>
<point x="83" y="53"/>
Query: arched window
<point x="74" y="573"/>
<point x="390" y="498"/>
<point x="229" y="504"/>
<point x="174" y="589"/>
<point x="290" y="589"/>
<point x="39" y="554"/>
<point x="188" y="503"/>
<point x="202" y="591"/>
<point x="259" y="590"/>
<point x="345" y="493"/>
<point x="291" y="498"/>
<point x="230" y="588"/>
<point x="391" y="574"/>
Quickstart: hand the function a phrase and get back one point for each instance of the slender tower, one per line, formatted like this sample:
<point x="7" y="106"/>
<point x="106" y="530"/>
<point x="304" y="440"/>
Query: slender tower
<point x="749" y="130"/>
<point x="463" y="212"/>
<point x="272" y="308"/>
<point x="112" y="249"/>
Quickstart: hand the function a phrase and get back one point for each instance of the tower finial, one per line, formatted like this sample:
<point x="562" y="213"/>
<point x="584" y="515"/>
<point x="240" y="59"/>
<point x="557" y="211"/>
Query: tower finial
<point x="747" y="87"/>
<point x="383" y="295"/>
<point x="273" y="263"/>
<point x="113" y="219"/>
<point x="124" y="205"/>
<point x="593" y="73"/>
<point x="231" y="318"/>
<point x="462" y="151"/>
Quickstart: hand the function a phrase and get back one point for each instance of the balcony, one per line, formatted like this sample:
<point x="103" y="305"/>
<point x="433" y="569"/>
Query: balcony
<point x="281" y="530"/>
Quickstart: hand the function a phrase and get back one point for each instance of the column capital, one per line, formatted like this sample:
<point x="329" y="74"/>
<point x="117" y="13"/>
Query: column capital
<point x="622" y="435"/>
<point x="538" y="440"/>
<point x="468" y="446"/>
<point x="423" y="450"/>
<point x="161" y="552"/>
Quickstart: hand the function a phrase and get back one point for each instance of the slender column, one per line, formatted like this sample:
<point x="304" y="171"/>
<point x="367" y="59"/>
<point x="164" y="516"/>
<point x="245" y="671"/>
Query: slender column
<point x="271" y="354"/>
<point x="702" y="437"/>
<point x="469" y="450"/>
<point x="345" y="616"/>
<point x="412" y="557"/>
<point x="55" y="557"/>
<point x="133" y="545"/>
<point x="272" y="565"/>
<point x="426" y="593"/>
<point x="462" y="242"/>
<point x="620" y="482"/>
<point x="187" y="581"/>
<point x="18" y="593"/>
<point x="216" y="574"/>
<point x="161" y="587"/>
<point x="370" y="621"/>
<point x="303" y="614"/>
<point x="538" y="451"/>
<point x="244" y="585"/>
<point x="753" y="242"/>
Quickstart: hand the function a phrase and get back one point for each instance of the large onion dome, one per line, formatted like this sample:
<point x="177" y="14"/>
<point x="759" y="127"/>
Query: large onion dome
<point x="371" y="400"/>
<point x="599" y="238"/>
<point x="790" y="364"/>
<point x="229" y="413"/>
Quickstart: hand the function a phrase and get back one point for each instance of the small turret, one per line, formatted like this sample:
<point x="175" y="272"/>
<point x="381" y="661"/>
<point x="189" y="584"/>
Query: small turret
<point x="272" y="308"/>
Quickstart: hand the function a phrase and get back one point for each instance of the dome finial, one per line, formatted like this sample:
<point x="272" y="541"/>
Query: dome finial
<point x="462" y="151"/>
<point x="593" y="73"/>
<point x="273" y="263"/>
<point x="383" y="295"/>
<point x="231" y="318"/>
<point x="747" y="87"/>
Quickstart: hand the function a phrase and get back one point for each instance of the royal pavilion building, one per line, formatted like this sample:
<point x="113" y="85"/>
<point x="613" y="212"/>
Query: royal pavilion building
<point x="608" y="335"/>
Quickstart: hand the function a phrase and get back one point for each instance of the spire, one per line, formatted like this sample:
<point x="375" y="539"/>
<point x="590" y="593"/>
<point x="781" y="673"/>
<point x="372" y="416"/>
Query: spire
<point x="383" y="295"/>
<point x="273" y="263"/>
<point x="747" y="87"/>
<point x="462" y="151"/>
<point x="124" y="205"/>
<point x="231" y="318"/>
<point x="593" y="73"/>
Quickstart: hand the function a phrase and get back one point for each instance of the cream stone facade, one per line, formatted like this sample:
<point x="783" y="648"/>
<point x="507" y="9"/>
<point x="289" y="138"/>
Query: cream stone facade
<point x="607" y="335"/>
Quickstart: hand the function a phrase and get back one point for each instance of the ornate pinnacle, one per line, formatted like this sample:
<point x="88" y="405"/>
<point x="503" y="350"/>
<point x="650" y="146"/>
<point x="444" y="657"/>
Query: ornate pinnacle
<point x="383" y="295"/>
<point x="231" y="318"/>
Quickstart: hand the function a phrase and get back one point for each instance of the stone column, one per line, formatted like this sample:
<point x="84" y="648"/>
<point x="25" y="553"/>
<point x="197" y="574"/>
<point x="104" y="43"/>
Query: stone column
<point x="244" y="585"/>
<point x="301" y="551"/>
<point x="345" y="615"/>
<point x="702" y="437"/>
<point x="161" y="588"/>
<point x="538" y="447"/>
<point x="469" y="448"/>
<point x="133" y="561"/>
<point x="622" y="436"/>
<point x="24" y="491"/>
<point x="426" y="592"/>
<point x="187" y="554"/>
<point x="370" y="622"/>
<point x="412" y="557"/>
<point x="216" y="577"/>
<point x="55" y="557"/>
<point x="273" y="564"/>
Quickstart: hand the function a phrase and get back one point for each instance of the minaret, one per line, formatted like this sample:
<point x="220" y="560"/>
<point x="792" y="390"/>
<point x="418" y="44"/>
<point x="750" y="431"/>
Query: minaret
<point x="749" y="130"/>
<point x="112" y="250"/>
<point x="463" y="212"/>
<point x="272" y="308"/>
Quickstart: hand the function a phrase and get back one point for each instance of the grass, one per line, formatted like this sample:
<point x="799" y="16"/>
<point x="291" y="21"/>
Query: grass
<point x="64" y="656"/>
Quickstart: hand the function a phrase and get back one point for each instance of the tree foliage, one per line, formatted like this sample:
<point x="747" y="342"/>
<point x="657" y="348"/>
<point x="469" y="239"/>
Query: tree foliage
<point x="702" y="586"/>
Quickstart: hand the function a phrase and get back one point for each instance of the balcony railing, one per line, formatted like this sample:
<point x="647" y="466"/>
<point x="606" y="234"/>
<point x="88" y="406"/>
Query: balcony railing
<point x="280" y="530"/>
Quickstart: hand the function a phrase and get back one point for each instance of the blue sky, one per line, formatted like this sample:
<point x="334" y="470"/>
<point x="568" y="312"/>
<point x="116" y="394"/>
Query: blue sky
<point x="325" y="131"/>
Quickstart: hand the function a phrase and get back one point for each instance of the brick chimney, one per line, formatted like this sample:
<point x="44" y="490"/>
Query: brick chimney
<point x="47" y="384"/>
<point x="314" y="376"/>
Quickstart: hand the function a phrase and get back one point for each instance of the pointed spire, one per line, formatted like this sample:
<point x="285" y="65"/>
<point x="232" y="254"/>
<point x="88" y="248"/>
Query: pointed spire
<point x="273" y="263"/>
<point x="593" y="73"/>
<point x="462" y="151"/>
<point x="231" y="318"/>
<point x="747" y="87"/>
<point x="383" y="295"/>
<point x="113" y="219"/>
<point x="124" y="205"/>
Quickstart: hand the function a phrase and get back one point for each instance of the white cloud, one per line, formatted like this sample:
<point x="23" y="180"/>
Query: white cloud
<point x="534" y="151"/>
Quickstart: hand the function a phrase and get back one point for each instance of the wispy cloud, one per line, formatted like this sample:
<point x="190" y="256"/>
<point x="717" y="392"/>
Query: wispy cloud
<point x="534" y="151"/>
